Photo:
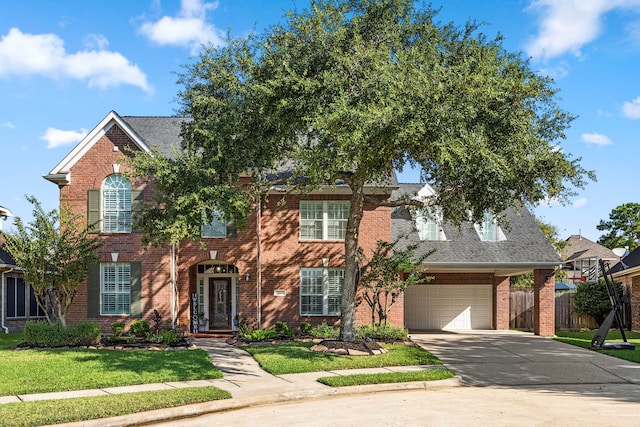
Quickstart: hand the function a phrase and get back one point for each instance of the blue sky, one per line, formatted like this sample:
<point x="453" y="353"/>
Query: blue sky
<point x="65" y="64"/>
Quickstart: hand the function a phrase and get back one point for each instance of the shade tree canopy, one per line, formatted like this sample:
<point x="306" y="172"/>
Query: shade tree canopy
<point x="622" y="228"/>
<point x="351" y="91"/>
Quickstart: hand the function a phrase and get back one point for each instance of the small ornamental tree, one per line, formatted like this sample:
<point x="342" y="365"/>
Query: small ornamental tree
<point x="54" y="252"/>
<point x="386" y="275"/>
<point x="592" y="298"/>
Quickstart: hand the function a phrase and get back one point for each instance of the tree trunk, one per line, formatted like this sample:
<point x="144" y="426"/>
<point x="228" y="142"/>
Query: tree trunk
<point x="348" y="301"/>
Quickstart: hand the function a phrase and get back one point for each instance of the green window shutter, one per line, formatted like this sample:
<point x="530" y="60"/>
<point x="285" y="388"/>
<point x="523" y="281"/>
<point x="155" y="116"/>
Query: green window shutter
<point x="136" y="290"/>
<point x="93" y="291"/>
<point x="136" y="209"/>
<point x="93" y="210"/>
<point x="232" y="230"/>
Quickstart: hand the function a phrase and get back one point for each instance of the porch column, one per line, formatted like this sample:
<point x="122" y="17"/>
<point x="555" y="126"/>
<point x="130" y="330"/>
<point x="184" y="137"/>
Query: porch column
<point x="501" y="313"/>
<point x="544" y="303"/>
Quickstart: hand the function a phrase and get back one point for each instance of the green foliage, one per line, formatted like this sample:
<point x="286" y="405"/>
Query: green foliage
<point x="45" y="334"/>
<point x="305" y="328"/>
<point x="54" y="252"/>
<point x="139" y="328"/>
<point x="324" y="331"/>
<point x="261" y="335"/>
<point x="164" y="336"/>
<point x="387" y="274"/>
<point x="623" y="227"/>
<point x="284" y="330"/>
<point x="382" y="332"/>
<point x="352" y="90"/>
<point x="593" y="299"/>
<point x="583" y="339"/>
<point x="117" y="328"/>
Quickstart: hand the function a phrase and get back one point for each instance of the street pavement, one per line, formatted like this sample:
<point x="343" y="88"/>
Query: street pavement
<point x="491" y="366"/>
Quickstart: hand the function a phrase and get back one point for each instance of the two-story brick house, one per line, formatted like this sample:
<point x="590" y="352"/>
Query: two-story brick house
<point x="286" y="265"/>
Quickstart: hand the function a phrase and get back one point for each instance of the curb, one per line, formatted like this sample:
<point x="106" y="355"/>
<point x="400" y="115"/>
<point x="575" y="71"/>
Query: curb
<point x="198" y="409"/>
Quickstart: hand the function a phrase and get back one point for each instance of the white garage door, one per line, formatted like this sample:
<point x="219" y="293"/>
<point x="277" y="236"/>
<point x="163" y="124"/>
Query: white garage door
<point x="449" y="307"/>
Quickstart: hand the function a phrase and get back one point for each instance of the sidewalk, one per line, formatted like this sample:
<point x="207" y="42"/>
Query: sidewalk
<point x="248" y="384"/>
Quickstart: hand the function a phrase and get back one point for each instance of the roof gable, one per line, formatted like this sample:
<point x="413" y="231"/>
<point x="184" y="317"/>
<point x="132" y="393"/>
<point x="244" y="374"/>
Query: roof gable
<point x="61" y="173"/>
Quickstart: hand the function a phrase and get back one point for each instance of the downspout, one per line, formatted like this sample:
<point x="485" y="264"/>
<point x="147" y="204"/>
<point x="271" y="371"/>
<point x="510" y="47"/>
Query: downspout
<point x="6" y="330"/>
<point x="259" y="266"/>
<point x="173" y="285"/>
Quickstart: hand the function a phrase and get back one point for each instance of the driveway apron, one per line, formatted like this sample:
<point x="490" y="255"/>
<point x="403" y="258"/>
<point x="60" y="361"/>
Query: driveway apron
<point x="504" y="358"/>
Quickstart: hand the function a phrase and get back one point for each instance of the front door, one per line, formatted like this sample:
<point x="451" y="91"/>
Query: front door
<point x="219" y="303"/>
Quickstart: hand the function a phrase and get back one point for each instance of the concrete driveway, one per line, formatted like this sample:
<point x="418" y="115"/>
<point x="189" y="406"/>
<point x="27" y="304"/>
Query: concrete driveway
<point x="523" y="360"/>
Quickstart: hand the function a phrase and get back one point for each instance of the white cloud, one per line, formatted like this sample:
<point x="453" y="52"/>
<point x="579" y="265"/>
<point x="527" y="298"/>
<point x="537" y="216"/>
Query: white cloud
<point x="581" y="203"/>
<point x="44" y="54"/>
<point x="8" y="125"/>
<point x="567" y="25"/>
<point x="596" y="138"/>
<point x="189" y="28"/>
<point x="58" y="137"/>
<point x="97" y="41"/>
<point x="631" y="110"/>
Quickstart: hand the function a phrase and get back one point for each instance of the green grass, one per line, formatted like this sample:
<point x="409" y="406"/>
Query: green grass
<point x="42" y="371"/>
<point x="386" y="378"/>
<point x="583" y="339"/>
<point x="47" y="412"/>
<point x="296" y="358"/>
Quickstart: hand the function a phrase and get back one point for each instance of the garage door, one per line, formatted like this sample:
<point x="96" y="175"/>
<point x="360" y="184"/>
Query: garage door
<point x="449" y="307"/>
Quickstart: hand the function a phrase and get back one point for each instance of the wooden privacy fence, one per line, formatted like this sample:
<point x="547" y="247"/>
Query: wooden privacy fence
<point x="521" y="316"/>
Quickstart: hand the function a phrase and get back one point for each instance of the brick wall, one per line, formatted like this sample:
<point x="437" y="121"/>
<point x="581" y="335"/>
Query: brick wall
<point x="544" y="302"/>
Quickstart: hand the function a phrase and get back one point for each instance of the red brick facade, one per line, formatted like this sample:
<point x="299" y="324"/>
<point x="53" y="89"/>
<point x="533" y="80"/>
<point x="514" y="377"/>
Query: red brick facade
<point x="257" y="273"/>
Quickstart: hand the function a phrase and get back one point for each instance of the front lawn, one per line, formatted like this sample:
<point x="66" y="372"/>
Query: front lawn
<point x="294" y="358"/>
<point x="583" y="339"/>
<point x="386" y="378"/>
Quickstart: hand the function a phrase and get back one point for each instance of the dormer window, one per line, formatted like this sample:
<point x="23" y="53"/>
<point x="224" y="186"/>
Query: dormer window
<point x="428" y="224"/>
<point x="488" y="230"/>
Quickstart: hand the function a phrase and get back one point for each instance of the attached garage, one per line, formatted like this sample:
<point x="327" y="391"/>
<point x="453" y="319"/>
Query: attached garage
<point x="448" y="307"/>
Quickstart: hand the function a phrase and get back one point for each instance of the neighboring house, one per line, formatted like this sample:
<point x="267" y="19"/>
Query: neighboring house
<point x="17" y="297"/>
<point x="627" y="272"/>
<point x="288" y="264"/>
<point x="581" y="256"/>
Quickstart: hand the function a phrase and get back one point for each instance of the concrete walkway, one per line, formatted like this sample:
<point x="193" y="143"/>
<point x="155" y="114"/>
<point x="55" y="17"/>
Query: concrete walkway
<point x="488" y="358"/>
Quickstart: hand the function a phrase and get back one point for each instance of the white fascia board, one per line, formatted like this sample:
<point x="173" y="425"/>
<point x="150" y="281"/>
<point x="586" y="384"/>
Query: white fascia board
<point x="63" y="168"/>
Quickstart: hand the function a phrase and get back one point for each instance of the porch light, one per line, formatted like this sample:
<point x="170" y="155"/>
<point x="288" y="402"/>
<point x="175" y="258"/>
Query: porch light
<point x="247" y="276"/>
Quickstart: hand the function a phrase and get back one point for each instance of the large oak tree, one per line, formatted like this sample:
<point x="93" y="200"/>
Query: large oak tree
<point x="350" y="91"/>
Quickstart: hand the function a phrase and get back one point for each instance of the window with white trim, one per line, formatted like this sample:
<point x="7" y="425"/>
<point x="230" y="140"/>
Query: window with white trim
<point x="321" y="291"/>
<point x="428" y="224"/>
<point x="116" y="204"/>
<point x="115" y="288"/>
<point x="323" y="220"/>
<point x="217" y="228"/>
<point x="488" y="230"/>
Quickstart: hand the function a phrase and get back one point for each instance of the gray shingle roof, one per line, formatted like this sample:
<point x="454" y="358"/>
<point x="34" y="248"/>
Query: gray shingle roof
<point x="630" y="261"/>
<point x="5" y="258"/>
<point x="525" y="244"/>
<point x="581" y="247"/>
<point x="162" y="133"/>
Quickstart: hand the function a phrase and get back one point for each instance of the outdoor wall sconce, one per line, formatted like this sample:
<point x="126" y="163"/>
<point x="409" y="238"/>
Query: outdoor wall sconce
<point x="547" y="279"/>
<point x="247" y="276"/>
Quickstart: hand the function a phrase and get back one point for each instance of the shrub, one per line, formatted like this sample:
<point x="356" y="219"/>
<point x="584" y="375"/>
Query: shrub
<point x="169" y="336"/>
<point x="139" y="328"/>
<point x="384" y="332"/>
<point x="156" y="318"/>
<point x="117" y="328"/>
<point x="305" y="328"/>
<point x="45" y="334"/>
<point x="593" y="299"/>
<point x="86" y="333"/>
<point x="262" y="334"/>
<point x="284" y="330"/>
<point x="324" y="331"/>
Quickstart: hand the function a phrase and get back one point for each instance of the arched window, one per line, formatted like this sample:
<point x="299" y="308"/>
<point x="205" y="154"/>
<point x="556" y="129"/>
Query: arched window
<point x="116" y="204"/>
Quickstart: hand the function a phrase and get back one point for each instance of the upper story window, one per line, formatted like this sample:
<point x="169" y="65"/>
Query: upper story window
<point x="216" y="228"/>
<point x="428" y="224"/>
<point x="323" y="220"/>
<point x="116" y="204"/>
<point x="488" y="230"/>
